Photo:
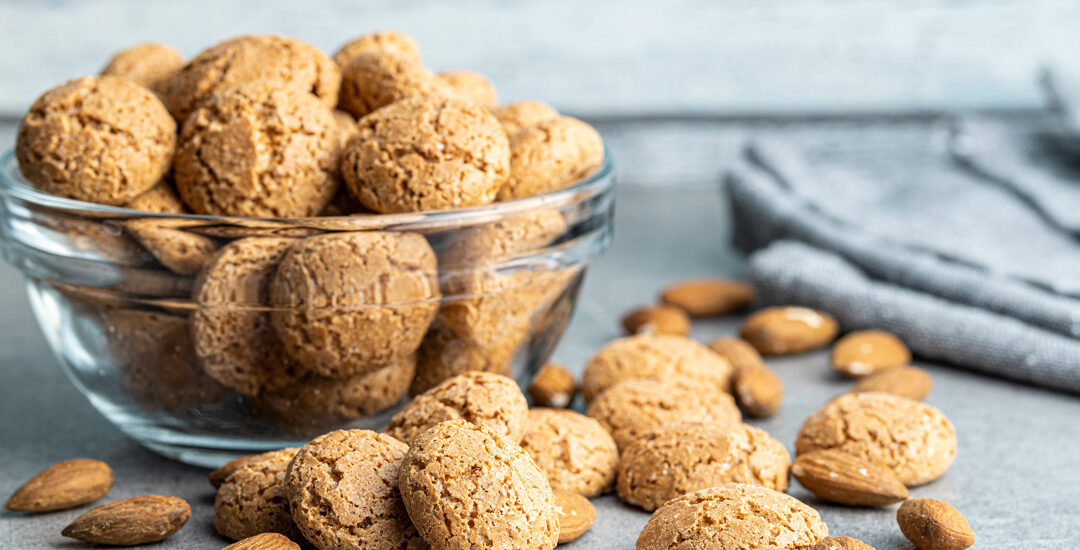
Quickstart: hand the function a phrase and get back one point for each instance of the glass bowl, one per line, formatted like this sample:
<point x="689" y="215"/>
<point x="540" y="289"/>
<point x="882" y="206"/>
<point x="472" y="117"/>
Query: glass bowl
<point x="207" y="337"/>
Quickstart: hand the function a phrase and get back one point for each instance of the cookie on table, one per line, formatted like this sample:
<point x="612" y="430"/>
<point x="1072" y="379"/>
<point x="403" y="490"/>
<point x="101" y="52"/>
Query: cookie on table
<point x="342" y="489"/>
<point x="471" y="86"/>
<point x="393" y="42"/>
<point x="374" y="79"/>
<point x="733" y="517"/>
<point x="150" y="65"/>
<point x="913" y="439"/>
<point x="252" y="500"/>
<point x="482" y="398"/>
<point x="659" y="356"/>
<point x="98" y="139"/>
<point x="276" y="62"/>
<point x="631" y="408"/>
<point x="347" y="303"/>
<point x="260" y="152"/>
<point x="523" y="114"/>
<point x="551" y="155"/>
<point x="467" y="486"/>
<point x="423" y="154"/>
<point x="674" y="460"/>
<point x="574" y="451"/>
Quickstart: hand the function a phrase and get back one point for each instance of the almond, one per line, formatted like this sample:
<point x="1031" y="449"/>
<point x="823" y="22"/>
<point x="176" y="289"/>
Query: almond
<point x="576" y="515"/>
<point x="846" y="479"/>
<point x="135" y="520"/>
<point x="553" y="387"/>
<point x="758" y="391"/>
<point x="841" y="543"/>
<point x="785" y="330"/>
<point x="63" y="485"/>
<point x="738" y="352"/>
<point x="708" y="297"/>
<point x="217" y="477"/>
<point x="657" y="320"/>
<point x="911" y="382"/>
<point x="868" y="351"/>
<point x="264" y="541"/>
<point x="934" y="525"/>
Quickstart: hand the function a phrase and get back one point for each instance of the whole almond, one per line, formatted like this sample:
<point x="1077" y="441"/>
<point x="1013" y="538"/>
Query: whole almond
<point x="911" y="382"/>
<point x="217" y="477"/>
<point x="841" y="543"/>
<point x="868" y="351"/>
<point x="738" y="352"/>
<point x="785" y="330"/>
<point x="934" y="525"/>
<point x="135" y="520"/>
<point x="836" y="476"/>
<point x="553" y="386"/>
<point x="63" y="485"/>
<point x="758" y="391"/>
<point x="264" y="541"/>
<point x="708" y="297"/>
<point x="576" y="515"/>
<point x="657" y="320"/>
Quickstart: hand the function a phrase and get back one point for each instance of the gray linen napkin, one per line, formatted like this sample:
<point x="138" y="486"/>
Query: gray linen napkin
<point x="963" y="268"/>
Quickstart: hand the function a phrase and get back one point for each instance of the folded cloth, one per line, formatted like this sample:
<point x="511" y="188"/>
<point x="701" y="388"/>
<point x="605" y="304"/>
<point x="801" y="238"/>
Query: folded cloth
<point x="949" y="252"/>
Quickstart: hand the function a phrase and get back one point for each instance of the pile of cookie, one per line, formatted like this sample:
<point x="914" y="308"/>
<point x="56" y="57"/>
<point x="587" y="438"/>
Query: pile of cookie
<point x="311" y="324"/>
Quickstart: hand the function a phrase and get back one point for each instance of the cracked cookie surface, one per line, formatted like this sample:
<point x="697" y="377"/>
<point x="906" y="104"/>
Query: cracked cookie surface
<point x="550" y="155"/>
<point x="252" y="499"/>
<point x="481" y="398"/>
<point x="397" y="43"/>
<point x="471" y="86"/>
<point x="658" y="356"/>
<point x="149" y="65"/>
<point x="522" y="114"/>
<point x="374" y="79"/>
<point x="574" y="451"/>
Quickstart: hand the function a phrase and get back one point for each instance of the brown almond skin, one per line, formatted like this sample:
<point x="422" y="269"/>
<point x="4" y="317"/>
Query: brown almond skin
<point x="264" y="541"/>
<point x="63" y="485"/>
<point x="738" y="352"/>
<point x="758" y="391"/>
<point x="553" y="386"/>
<point x="865" y="352"/>
<point x="911" y="382"/>
<point x="785" y="330"/>
<point x="657" y="320"/>
<point x="846" y="479"/>
<point x="131" y="521"/>
<point x="841" y="543"/>
<point x="708" y="297"/>
<point x="217" y="477"/>
<point x="576" y="515"/>
<point x="934" y="525"/>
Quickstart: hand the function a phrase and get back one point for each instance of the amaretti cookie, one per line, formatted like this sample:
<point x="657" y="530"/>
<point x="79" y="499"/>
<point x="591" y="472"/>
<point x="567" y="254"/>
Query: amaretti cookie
<point x="149" y="65"/>
<point x="574" y="451"/>
<point x="426" y="154"/>
<point x="260" y="152"/>
<point x="551" y="155"/>
<point x="393" y="42"/>
<point x="479" y="397"/>
<point x="914" y="439"/>
<point x="181" y="251"/>
<point x="252" y="500"/>
<point x="275" y="62"/>
<point x="733" y="517"/>
<point x="658" y="356"/>
<point x="375" y="79"/>
<point x="673" y="460"/>
<point x="471" y="86"/>
<point x="467" y="486"/>
<point x="97" y="139"/>
<point x="522" y="114"/>
<point x="349" y="302"/>
<point x="343" y="492"/>
<point x="160" y="199"/>
<point x="632" y="407"/>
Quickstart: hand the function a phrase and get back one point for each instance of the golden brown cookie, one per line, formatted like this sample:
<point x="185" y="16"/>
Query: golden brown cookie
<point x="673" y="460"/>
<point x="482" y="398"/>
<point x="841" y="543"/>
<point x="346" y="126"/>
<point x="733" y="517"/>
<point x="343" y="492"/>
<point x="443" y="354"/>
<point x="657" y="356"/>
<point x="264" y="541"/>
<point x="576" y="515"/>
<point x="471" y="86"/>
<point x="181" y="251"/>
<point x="915" y="440"/>
<point x="865" y="352"/>
<point x="252" y="499"/>
<point x="218" y="476"/>
<point x="150" y="65"/>
<point x="632" y="407"/>
<point x="97" y="139"/>
<point x="393" y="42"/>
<point x="258" y="152"/>
<point x="157" y="361"/>
<point x="375" y="79"/>
<point x="276" y="62"/>
<point x="97" y="240"/>
<point x="551" y="155"/>
<point x="574" y="451"/>
<point x="234" y="337"/>
<point x="424" y="154"/>
<point x="467" y="486"/>
<point x="522" y="114"/>
<point x="786" y="330"/>
<point x="910" y="382"/>
<point x="160" y="199"/>
<point x="350" y="302"/>
<point x="316" y="402"/>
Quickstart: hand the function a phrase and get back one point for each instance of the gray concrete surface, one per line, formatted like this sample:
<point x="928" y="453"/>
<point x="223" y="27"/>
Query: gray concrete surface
<point x="1015" y="478"/>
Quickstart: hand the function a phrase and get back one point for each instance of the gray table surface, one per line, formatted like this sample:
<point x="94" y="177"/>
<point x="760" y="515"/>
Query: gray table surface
<point x="1015" y="477"/>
